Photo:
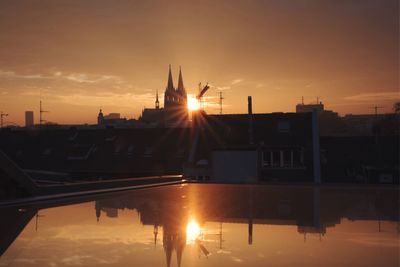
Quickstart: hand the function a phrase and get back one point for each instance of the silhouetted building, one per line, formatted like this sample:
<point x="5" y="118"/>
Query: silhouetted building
<point x="175" y="111"/>
<point x="282" y="147"/>
<point x="29" y="122"/>
<point x="373" y="124"/>
<point x="175" y="101"/>
<point x="329" y="121"/>
<point x="112" y="119"/>
<point x="100" y="118"/>
<point x="112" y="116"/>
<point x="302" y="108"/>
<point x="153" y="115"/>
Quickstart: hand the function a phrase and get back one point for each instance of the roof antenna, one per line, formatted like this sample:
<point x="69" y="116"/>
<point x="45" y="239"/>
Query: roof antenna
<point x="220" y="102"/>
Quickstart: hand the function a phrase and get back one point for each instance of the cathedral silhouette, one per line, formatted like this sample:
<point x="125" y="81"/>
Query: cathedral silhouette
<point x="175" y="111"/>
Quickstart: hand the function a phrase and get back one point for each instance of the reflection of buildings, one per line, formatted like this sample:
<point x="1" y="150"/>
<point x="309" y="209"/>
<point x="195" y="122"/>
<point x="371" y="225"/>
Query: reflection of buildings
<point x="312" y="210"/>
<point x="174" y="239"/>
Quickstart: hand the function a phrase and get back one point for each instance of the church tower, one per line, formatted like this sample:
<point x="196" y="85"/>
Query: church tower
<point x="157" y="102"/>
<point x="100" y="118"/>
<point x="181" y="92"/>
<point x="169" y="96"/>
<point x="175" y="101"/>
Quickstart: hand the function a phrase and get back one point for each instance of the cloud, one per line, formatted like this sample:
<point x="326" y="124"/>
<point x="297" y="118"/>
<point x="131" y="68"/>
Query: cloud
<point x="260" y="85"/>
<point x="236" y="81"/>
<point x="85" y="78"/>
<point x="223" y="88"/>
<point x="226" y="87"/>
<point x="236" y="259"/>
<point x="58" y="75"/>
<point x="13" y="75"/>
<point x="105" y="99"/>
<point x="370" y="97"/>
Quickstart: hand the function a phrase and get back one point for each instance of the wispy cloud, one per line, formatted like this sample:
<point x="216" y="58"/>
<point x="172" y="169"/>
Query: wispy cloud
<point x="85" y="78"/>
<point x="222" y="88"/>
<point x="13" y="75"/>
<point x="226" y="87"/>
<point x="236" y="81"/>
<point x="73" y="77"/>
<point x="368" y="97"/>
<point x="101" y="99"/>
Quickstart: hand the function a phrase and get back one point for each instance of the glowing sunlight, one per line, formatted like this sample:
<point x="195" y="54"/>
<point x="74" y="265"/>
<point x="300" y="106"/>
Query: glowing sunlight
<point x="192" y="231"/>
<point x="193" y="103"/>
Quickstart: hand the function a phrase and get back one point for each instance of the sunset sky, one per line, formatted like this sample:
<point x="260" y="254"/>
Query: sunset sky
<point x="83" y="55"/>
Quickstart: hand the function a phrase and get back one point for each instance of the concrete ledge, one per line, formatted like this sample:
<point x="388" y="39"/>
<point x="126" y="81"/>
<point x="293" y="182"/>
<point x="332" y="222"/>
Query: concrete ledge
<point x="72" y="192"/>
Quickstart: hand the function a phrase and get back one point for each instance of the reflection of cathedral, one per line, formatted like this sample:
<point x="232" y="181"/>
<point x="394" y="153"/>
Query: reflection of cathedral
<point x="175" y="112"/>
<point x="312" y="210"/>
<point x="174" y="239"/>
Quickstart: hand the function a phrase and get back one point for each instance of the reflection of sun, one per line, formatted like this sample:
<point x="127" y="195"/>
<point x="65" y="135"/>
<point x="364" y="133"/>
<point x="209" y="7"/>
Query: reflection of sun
<point x="193" y="103"/>
<point x="192" y="231"/>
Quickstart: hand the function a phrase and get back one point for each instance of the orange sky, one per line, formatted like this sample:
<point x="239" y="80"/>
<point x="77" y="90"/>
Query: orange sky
<point x="83" y="55"/>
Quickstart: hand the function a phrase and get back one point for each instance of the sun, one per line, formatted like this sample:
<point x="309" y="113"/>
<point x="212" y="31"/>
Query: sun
<point x="193" y="103"/>
<point x="192" y="231"/>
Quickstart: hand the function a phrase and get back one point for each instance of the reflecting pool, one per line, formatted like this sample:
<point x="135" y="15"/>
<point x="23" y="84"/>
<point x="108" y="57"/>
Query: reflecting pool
<point x="208" y="225"/>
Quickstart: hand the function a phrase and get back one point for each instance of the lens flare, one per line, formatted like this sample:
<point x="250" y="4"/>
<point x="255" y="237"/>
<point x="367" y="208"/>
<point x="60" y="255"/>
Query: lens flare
<point x="193" y="103"/>
<point x="192" y="231"/>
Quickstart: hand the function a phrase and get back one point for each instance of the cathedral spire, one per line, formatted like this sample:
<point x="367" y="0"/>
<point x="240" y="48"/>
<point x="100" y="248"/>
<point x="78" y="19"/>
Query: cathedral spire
<point x="157" y="102"/>
<point x="170" y="85"/>
<point x="181" y="88"/>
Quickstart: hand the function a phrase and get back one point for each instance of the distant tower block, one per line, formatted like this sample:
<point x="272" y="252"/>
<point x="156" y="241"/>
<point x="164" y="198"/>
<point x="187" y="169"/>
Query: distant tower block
<point x="29" y="122"/>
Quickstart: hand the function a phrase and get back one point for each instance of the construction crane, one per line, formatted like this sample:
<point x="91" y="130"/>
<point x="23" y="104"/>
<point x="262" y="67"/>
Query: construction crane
<point x="2" y="115"/>
<point x="202" y="91"/>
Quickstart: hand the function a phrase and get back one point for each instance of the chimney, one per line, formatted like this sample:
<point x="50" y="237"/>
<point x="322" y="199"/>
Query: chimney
<point x="250" y="111"/>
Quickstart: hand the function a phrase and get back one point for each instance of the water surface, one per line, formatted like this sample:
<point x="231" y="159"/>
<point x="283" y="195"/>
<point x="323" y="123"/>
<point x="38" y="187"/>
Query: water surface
<point x="209" y="225"/>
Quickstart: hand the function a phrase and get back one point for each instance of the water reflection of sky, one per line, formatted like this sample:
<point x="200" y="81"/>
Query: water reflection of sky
<point x="210" y="225"/>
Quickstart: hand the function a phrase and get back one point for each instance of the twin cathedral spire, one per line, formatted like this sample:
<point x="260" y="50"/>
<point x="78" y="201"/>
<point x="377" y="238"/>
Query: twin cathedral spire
<point x="174" y="97"/>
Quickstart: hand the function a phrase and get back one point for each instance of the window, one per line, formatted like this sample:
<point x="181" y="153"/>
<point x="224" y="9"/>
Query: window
<point x="284" y="158"/>
<point x="283" y="126"/>
<point x="148" y="152"/>
<point x="131" y="149"/>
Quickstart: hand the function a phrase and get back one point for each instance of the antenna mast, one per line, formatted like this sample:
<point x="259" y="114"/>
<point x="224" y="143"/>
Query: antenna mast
<point x="376" y="111"/>
<point x="220" y="102"/>
<point x="41" y="111"/>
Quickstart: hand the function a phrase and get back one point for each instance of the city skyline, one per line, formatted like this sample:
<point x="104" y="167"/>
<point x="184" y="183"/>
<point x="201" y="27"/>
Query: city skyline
<point x="79" y="57"/>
